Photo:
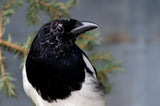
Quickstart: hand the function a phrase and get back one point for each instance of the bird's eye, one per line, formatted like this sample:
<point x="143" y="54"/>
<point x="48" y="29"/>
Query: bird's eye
<point x="60" y="29"/>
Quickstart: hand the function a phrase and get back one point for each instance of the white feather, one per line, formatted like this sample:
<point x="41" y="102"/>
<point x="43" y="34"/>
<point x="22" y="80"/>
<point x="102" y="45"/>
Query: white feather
<point x="89" y="65"/>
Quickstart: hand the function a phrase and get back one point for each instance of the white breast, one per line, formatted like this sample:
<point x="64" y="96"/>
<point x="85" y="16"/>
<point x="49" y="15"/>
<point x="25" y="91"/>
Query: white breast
<point x="84" y="97"/>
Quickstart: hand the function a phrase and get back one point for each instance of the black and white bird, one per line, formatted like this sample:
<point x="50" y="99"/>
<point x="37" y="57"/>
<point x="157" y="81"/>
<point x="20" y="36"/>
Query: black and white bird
<point x="57" y="72"/>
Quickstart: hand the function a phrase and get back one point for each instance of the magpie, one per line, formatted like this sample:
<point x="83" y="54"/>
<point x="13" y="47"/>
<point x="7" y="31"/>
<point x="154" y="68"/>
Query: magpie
<point x="57" y="72"/>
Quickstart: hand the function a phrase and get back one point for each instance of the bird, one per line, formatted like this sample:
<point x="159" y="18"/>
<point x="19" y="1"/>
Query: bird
<point x="57" y="72"/>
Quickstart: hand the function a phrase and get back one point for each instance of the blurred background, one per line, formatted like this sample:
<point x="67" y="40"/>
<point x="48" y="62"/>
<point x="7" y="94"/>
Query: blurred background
<point x="130" y="31"/>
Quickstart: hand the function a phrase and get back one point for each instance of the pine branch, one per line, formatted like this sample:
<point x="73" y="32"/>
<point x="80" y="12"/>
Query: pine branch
<point x="1" y="19"/>
<point x="102" y="78"/>
<point x="54" y="9"/>
<point x="70" y="3"/>
<point x="2" y="70"/>
<point x="32" y="12"/>
<point x="88" y="40"/>
<point x="110" y="69"/>
<point x="6" y="85"/>
<point x="50" y="8"/>
<point x="6" y="12"/>
<point x="3" y="73"/>
<point x="8" y="5"/>
<point x="65" y="9"/>
<point x="5" y="79"/>
<point x="82" y="46"/>
<point x="107" y="56"/>
<point x="13" y="46"/>
<point x="85" y="36"/>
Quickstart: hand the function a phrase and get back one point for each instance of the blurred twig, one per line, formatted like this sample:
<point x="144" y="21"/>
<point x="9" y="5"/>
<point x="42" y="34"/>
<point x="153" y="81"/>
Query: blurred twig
<point x="49" y="7"/>
<point x="14" y="46"/>
<point x="5" y="79"/>
<point x="85" y="36"/>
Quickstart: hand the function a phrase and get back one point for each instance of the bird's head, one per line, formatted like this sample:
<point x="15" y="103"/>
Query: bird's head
<point x="61" y="34"/>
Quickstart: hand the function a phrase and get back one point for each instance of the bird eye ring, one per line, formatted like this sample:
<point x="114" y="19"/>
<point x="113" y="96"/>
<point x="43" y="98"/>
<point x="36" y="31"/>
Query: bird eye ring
<point x="60" y="28"/>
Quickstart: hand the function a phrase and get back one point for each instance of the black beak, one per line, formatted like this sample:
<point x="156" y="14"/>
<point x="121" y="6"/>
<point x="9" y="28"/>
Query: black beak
<point x="85" y="26"/>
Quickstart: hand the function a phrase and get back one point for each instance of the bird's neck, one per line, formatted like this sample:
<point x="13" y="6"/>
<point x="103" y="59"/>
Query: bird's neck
<point x="50" y="52"/>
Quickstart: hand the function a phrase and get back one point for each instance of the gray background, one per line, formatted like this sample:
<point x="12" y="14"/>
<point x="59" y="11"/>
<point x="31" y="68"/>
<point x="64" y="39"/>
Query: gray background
<point x="139" y="84"/>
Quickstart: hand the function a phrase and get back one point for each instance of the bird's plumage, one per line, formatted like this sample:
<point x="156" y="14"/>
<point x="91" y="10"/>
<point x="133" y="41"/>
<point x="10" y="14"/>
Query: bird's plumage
<point x="57" y="72"/>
